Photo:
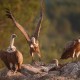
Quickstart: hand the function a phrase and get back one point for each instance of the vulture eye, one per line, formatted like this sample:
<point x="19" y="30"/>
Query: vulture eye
<point x="11" y="49"/>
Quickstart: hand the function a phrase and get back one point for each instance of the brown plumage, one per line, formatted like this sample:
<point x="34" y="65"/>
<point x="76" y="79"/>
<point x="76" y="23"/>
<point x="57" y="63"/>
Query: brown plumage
<point x="33" y="40"/>
<point x="16" y="59"/>
<point x="13" y="56"/>
<point x="73" y="50"/>
<point x="3" y="57"/>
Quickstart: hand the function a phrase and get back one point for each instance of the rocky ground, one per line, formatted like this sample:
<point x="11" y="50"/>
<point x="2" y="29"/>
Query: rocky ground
<point x="70" y="71"/>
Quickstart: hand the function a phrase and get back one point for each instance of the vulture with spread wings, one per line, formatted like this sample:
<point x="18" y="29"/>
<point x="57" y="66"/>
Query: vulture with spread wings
<point x="33" y="40"/>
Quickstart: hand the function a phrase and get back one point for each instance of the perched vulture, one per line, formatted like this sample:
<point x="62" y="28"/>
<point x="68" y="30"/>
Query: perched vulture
<point x="72" y="50"/>
<point x="14" y="56"/>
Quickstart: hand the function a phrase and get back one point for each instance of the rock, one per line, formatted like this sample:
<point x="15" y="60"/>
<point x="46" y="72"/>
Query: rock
<point x="47" y="68"/>
<point x="71" y="69"/>
<point x="31" y="69"/>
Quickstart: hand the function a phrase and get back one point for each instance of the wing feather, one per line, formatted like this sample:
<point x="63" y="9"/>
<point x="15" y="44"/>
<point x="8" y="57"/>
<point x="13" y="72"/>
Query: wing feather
<point x="37" y="30"/>
<point x="10" y="15"/>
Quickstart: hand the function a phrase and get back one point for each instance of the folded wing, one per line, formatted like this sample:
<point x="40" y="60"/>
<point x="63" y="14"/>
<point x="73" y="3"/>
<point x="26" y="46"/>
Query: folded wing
<point x="68" y="50"/>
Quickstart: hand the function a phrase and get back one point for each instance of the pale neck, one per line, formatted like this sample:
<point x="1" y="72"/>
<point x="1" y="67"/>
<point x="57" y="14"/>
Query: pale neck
<point x="12" y="42"/>
<point x="34" y="42"/>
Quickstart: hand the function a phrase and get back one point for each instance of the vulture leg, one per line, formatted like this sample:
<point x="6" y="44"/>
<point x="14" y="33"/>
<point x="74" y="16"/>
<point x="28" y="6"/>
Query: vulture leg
<point x="32" y="55"/>
<point x="39" y="55"/>
<point x="19" y="67"/>
<point x="73" y="56"/>
<point x="13" y="67"/>
<point x="33" y="58"/>
<point x="77" y="55"/>
<point x="16" y="68"/>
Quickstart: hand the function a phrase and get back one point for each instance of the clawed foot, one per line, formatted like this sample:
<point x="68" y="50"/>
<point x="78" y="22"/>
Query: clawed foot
<point x="19" y="70"/>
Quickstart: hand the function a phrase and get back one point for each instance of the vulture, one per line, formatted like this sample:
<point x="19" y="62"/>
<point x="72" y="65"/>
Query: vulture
<point x="14" y="56"/>
<point x="33" y="40"/>
<point x="72" y="50"/>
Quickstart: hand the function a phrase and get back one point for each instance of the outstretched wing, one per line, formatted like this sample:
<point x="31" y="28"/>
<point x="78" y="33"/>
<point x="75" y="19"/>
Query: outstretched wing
<point x="37" y="30"/>
<point x="10" y="15"/>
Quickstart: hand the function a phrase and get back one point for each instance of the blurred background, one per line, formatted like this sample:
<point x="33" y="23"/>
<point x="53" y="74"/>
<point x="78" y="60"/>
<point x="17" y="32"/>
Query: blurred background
<point x="61" y="24"/>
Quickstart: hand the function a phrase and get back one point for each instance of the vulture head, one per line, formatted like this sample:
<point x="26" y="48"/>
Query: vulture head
<point x="13" y="36"/>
